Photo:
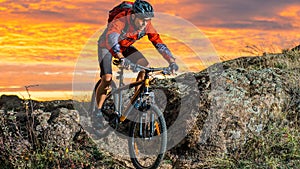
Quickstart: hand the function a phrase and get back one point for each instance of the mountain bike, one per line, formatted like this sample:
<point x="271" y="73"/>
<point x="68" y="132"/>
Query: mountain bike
<point x="148" y="131"/>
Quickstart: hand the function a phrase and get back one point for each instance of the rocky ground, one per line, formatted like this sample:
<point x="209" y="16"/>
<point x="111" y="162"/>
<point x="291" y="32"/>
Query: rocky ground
<point x="221" y="117"/>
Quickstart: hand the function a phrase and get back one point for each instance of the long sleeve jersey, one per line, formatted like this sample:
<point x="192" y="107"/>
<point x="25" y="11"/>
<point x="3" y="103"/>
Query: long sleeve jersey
<point x="121" y="33"/>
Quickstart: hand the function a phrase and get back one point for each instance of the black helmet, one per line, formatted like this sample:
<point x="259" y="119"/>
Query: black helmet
<point x="143" y="9"/>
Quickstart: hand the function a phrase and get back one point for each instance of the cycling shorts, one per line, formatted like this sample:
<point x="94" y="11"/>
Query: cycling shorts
<point x="105" y="58"/>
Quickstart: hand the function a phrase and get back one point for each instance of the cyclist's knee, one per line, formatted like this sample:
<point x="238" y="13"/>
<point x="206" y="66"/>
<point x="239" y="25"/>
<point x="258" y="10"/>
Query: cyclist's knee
<point x="142" y="61"/>
<point x="106" y="79"/>
<point x="141" y="75"/>
<point x="105" y="83"/>
<point x="142" y="72"/>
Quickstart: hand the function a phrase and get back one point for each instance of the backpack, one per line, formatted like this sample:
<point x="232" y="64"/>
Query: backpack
<point x="124" y="6"/>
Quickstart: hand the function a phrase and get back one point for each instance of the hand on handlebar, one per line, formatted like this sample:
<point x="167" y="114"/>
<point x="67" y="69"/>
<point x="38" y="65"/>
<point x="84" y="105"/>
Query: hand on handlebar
<point x="124" y="62"/>
<point x="120" y="60"/>
<point x="173" y="67"/>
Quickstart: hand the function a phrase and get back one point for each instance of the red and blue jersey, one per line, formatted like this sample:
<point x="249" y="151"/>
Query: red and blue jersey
<point x="121" y="33"/>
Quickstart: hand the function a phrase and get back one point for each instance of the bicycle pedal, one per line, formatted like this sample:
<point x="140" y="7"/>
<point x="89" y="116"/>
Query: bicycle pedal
<point x="118" y="114"/>
<point x="124" y="122"/>
<point x="114" y="121"/>
<point x="117" y="120"/>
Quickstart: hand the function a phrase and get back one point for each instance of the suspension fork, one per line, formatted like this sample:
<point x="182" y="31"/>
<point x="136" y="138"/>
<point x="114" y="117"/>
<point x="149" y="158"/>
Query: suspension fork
<point x="146" y="125"/>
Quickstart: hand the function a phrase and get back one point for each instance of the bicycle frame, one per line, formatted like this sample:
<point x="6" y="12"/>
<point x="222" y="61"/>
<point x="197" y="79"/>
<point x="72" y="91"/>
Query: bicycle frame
<point x="118" y="103"/>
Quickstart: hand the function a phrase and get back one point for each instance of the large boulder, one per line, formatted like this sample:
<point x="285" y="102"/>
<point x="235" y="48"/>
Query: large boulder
<point x="239" y="101"/>
<point x="11" y="102"/>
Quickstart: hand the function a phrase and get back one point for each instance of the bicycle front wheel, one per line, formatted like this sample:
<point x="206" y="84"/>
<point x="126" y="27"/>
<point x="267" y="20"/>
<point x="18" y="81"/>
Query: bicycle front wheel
<point x="148" y="139"/>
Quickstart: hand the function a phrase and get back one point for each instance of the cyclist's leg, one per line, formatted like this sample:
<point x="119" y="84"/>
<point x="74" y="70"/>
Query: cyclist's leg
<point x="136" y="57"/>
<point x="105" y="59"/>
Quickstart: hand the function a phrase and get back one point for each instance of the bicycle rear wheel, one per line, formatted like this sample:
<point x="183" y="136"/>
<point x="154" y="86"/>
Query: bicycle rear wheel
<point x="147" y="148"/>
<point x="109" y="105"/>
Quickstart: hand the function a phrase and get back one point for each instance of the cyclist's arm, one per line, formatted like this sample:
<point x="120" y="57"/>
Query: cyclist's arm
<point x="154" y="37"/>
<point x="114" y="30"/>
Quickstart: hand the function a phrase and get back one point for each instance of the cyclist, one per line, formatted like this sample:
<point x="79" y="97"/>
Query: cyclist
<point x="116" y="41"/>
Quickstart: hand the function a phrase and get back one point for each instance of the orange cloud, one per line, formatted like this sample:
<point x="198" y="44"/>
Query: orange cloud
<point x="42" y="43"/>
<point x="291" y="11"/>
<point x="21" y="75"/>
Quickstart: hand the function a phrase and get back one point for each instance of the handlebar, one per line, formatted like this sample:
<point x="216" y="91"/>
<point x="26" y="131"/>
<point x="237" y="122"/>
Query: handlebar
<point x="136" y="67"/>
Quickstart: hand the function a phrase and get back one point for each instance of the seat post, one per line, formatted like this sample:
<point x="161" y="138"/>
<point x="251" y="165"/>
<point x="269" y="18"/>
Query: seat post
<point x="120" y="76"/>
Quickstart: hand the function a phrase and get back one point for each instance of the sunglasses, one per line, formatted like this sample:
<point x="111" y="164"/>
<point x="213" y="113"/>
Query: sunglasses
<point x="144" y="19"/>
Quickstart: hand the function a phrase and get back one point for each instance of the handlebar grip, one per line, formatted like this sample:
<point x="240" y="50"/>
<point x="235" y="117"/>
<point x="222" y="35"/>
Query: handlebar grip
<point x="116" y="61"/>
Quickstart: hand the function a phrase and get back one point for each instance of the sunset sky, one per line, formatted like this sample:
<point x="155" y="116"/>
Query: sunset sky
<point x="42" y="41"/>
